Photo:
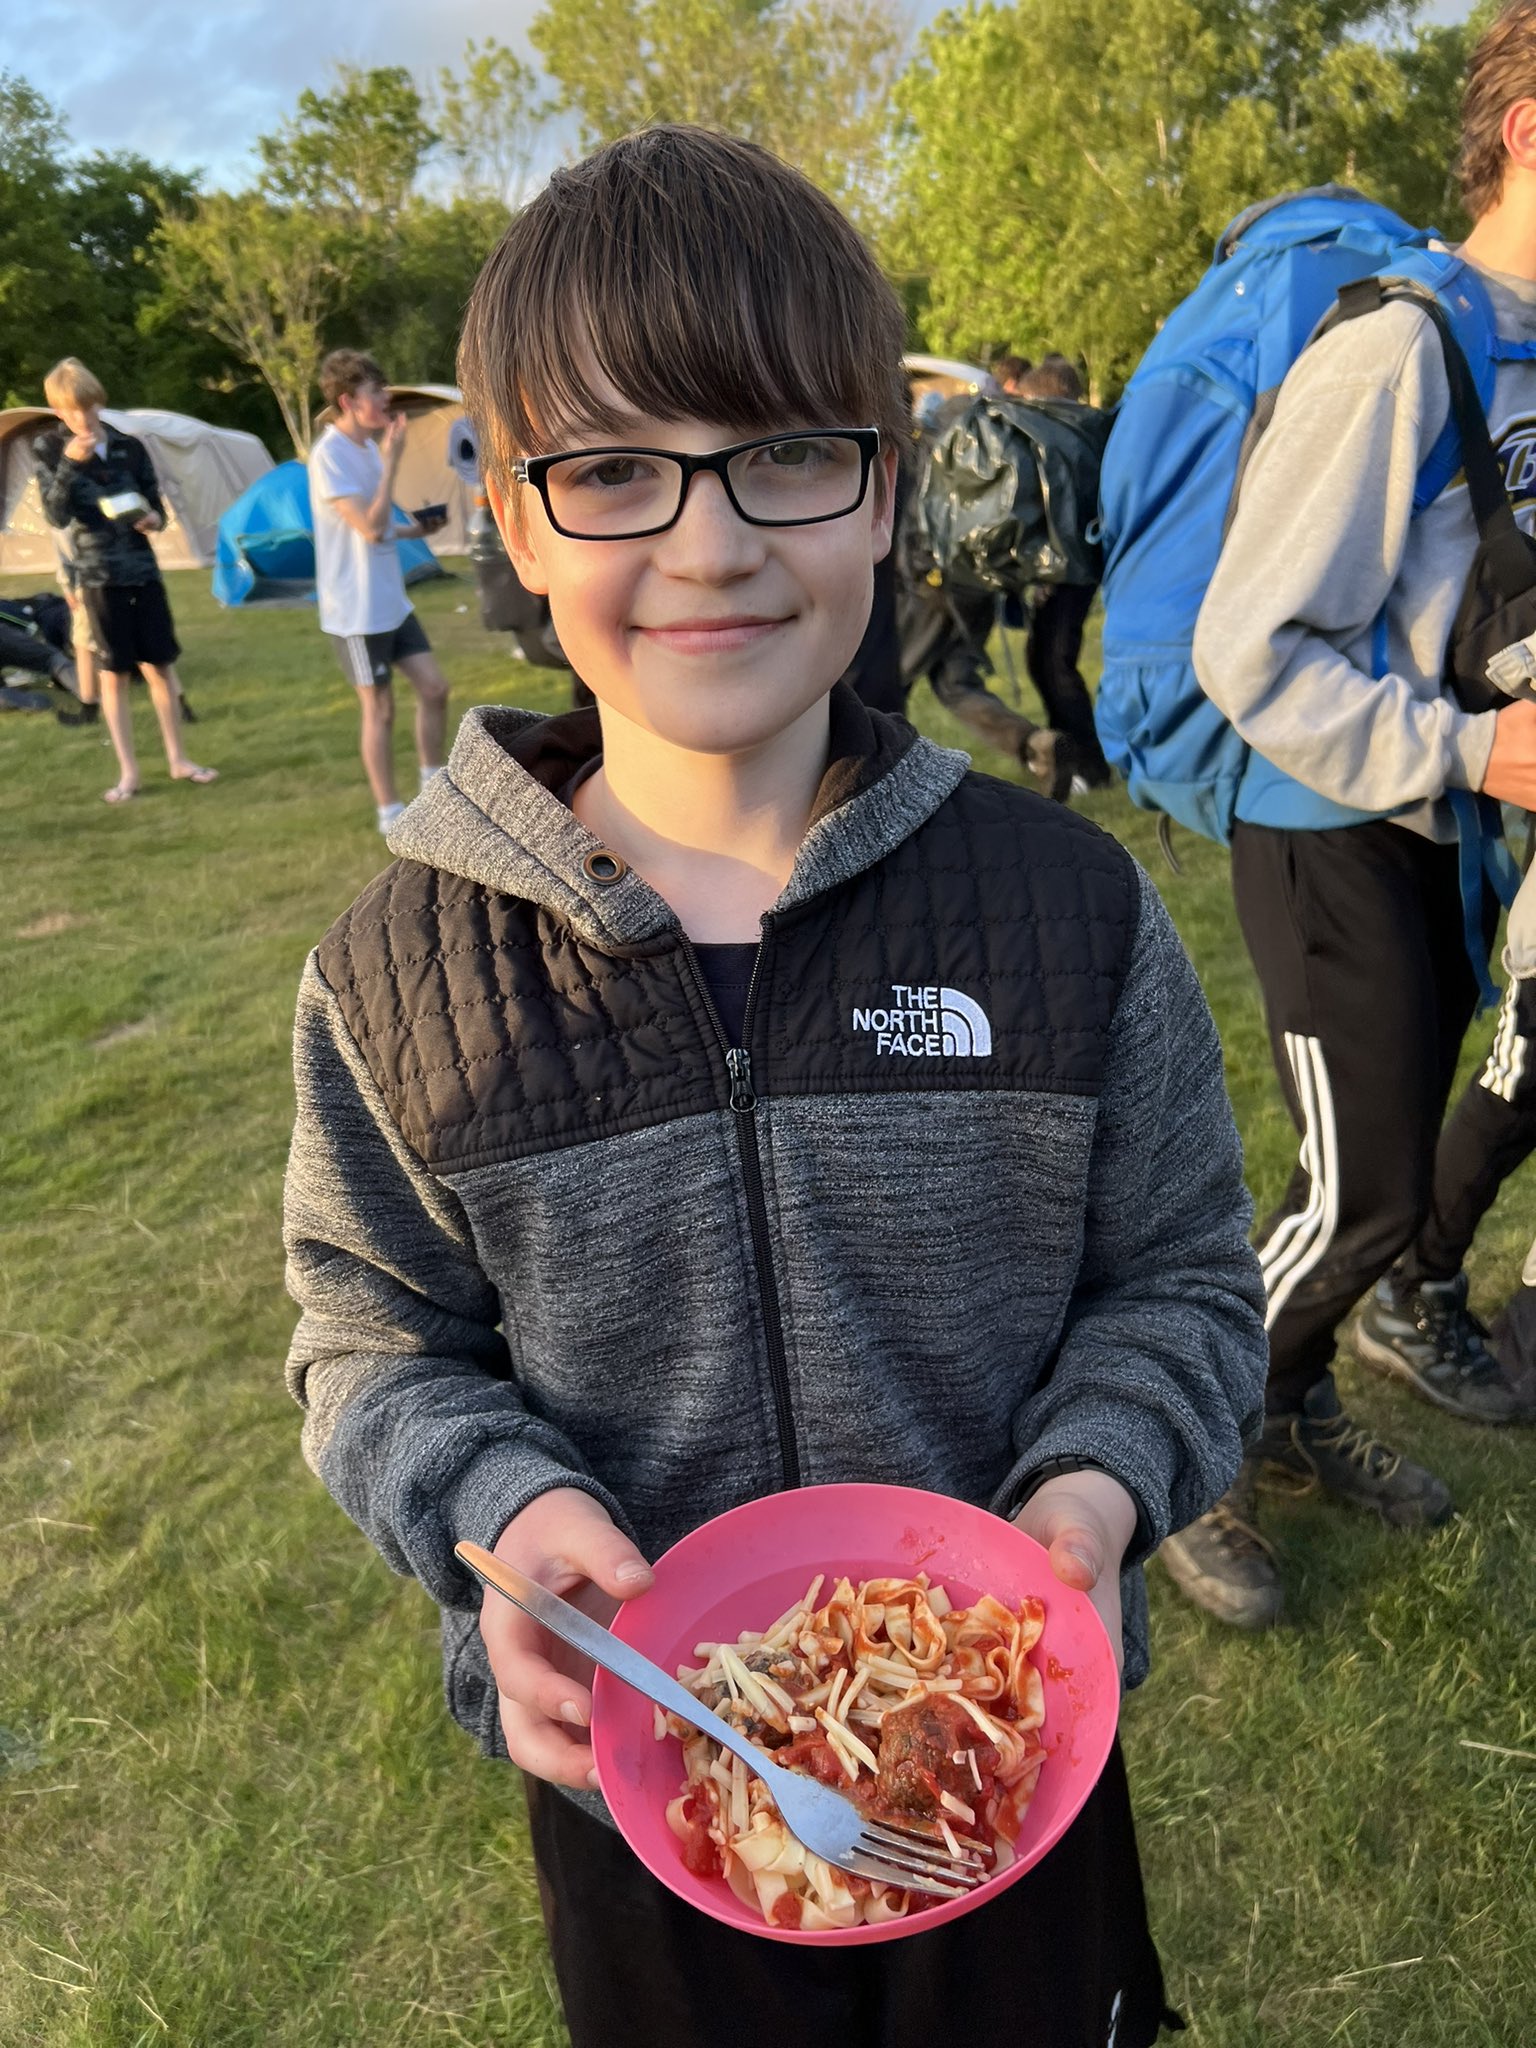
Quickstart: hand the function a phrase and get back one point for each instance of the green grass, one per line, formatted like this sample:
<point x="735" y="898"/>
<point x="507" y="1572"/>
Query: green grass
<point x="234" y="1811"/>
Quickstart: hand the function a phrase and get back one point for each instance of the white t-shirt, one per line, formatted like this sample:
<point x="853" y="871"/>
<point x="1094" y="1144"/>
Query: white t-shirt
<point x="359" y="582"/>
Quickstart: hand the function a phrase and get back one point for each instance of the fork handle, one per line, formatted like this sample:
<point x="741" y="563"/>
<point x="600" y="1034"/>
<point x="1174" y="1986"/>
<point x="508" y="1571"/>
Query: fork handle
<point x="604" y="1647"/>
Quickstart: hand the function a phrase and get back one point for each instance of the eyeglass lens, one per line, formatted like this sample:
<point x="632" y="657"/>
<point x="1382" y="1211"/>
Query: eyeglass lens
<point x="801" y="478"/>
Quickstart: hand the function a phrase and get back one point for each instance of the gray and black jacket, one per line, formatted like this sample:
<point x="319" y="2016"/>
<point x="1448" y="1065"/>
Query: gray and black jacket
<point x="968" y="1200"/>
<point x="103" y="551"/>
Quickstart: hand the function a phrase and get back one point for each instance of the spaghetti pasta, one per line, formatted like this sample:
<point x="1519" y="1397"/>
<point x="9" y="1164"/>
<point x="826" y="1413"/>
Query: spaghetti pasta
<point x="925" y="1714"/>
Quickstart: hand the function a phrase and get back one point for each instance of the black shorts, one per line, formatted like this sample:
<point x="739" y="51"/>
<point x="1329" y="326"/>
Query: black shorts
<point x="367" y="658"/>
<point x="130" y="623"/>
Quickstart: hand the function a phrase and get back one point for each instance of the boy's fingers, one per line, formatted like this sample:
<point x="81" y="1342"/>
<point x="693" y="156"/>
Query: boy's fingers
<point x="543" y="1748"/>
<point x="1077" y="1559"/>
<point x="534" y="1684"/>
<point x="605" y="1556"/>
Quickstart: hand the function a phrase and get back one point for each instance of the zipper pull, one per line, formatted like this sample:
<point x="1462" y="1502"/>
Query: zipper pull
<point x="738" y="1064"/>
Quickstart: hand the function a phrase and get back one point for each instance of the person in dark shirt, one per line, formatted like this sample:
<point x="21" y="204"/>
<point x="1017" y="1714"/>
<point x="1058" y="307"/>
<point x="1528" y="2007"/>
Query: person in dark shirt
<point x="84" y="468"/>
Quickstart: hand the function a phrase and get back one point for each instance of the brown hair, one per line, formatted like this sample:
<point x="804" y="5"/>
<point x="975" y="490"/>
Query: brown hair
<point x="698" y="275"/>
<point x="1008" y="369"/>
<point x="1055" y="378"/>
<point x="69" y="382"/>
<point x="345" y="371"/>
<point x="1500" y="72"/>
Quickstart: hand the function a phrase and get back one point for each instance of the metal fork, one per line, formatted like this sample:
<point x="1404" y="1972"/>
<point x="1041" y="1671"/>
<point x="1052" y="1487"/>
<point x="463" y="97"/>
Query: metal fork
<point x="829" y="1825"/>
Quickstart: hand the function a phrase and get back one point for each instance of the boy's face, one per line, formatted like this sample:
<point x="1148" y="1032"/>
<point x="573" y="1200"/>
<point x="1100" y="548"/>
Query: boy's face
<point x="715" y="635"/>
<point x="81" y="420"/>
<point x="368" y="405"/>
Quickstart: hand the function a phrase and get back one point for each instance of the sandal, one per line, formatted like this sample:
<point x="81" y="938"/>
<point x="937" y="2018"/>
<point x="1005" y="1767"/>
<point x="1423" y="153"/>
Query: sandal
<point x="120" y="793"/>
<point x="192" y="773"/>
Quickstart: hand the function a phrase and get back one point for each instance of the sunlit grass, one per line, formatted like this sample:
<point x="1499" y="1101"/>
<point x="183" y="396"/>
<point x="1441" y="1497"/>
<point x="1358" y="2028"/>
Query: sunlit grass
<point x="234" y="1809"/>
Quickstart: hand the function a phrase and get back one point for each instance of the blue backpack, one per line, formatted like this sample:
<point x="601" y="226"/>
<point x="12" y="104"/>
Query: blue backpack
<point x="1192" y="414"/>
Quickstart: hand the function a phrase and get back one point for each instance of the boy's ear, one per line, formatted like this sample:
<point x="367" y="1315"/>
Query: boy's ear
<point x="885" y="510"/>
<point x="521" y="550"/>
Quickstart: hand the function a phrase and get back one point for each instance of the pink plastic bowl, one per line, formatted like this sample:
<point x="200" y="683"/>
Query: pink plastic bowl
<point x="743" y="1569"/>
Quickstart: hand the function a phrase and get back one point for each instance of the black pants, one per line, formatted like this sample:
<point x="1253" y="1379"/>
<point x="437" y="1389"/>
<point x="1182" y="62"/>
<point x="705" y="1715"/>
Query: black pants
<point x="944" y="636"/>
<point x="1051" y="652"/>
<point x="1357" y="938"/>
<point x="1490" y="1133"/>
<point x="1063" y="1959"/>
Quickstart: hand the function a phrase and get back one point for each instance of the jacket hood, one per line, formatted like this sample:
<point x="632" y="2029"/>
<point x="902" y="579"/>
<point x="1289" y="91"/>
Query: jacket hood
<point x="494" y="815"/>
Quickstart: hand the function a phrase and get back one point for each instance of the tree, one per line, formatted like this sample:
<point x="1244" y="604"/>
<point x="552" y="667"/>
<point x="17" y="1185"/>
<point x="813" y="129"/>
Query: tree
<point x="354" y="151"/>
<point x="261" y="279"/>
<point x="1066" y="164"/>
<point x="489" y="119"/>
<point x="810" y="79"/>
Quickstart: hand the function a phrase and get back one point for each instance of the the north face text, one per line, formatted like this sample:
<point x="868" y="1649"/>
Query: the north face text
<point x="929" y="1022"/>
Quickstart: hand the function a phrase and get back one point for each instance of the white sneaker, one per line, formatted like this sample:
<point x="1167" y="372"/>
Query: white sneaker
<point x="388" y="814"/>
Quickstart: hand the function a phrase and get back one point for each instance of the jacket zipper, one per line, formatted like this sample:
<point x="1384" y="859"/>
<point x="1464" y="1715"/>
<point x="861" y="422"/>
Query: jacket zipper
<point x="738" y="1068"/>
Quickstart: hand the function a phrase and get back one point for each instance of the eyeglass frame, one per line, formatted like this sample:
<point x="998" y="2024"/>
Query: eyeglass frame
<point x="534" y="470"/>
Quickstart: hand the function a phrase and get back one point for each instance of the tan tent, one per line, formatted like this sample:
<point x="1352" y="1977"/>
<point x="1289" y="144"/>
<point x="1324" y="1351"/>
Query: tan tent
<point x="202" y="470"/>
<point x="440" y="461"/>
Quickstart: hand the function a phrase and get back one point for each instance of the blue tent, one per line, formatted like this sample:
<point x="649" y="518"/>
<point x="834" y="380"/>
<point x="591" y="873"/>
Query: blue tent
<point x="266" y="546"/>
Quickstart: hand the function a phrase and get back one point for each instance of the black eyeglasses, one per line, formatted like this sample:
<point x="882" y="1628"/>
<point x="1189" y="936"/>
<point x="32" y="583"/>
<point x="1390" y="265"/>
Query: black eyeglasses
<point x="777" y="480"/>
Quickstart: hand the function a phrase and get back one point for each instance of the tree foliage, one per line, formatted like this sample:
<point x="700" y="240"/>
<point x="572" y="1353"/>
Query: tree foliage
<point x="489" y="119"/>
<point x="811" y="79"/>
<point x="355" y="151"/>
<point x="1067" y="164"/>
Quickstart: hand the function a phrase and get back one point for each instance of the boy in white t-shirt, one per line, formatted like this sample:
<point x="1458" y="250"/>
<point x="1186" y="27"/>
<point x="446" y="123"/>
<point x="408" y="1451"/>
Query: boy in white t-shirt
<point x="363" y="605"/>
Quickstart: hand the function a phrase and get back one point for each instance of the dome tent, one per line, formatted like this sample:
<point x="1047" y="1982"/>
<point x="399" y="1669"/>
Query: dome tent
<point x="266" y="544"/>
<point x="201" y="468"/>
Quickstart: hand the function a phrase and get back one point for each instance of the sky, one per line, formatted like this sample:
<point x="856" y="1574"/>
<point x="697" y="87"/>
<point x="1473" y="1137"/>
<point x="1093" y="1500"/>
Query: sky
<point x="193" y="82"/>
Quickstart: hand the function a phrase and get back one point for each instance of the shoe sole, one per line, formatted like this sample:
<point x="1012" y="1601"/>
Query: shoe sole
<point x="1204" y="1592"/>
<point x="1381" y="1358"/>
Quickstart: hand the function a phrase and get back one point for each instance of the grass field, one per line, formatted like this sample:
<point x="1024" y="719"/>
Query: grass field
<point x="232" y="1808"/>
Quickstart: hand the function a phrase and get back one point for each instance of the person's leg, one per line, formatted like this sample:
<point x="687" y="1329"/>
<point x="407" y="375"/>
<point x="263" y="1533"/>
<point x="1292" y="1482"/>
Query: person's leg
<point x="431" y="686"/>
<point x="118" y="714"/>
<point x="1051" y="652"/>
<point x="1336" y="926"/>
<point x="165" y="695"/>
<point x="957" y="662"/>
<point x="377" y="704"/>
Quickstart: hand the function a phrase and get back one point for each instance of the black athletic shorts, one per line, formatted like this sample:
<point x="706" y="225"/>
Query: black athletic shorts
<point x="130" y="623"/>
<point x="367" y="658"/>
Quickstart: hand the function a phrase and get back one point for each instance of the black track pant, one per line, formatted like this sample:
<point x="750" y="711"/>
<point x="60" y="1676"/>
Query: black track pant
<point x="1357" y="938"/>
<point x="1491" y="1131"/>
<point x="1062" y="1959"/>
<point x="1051" y="652"/>
<point x="944" y="636"/>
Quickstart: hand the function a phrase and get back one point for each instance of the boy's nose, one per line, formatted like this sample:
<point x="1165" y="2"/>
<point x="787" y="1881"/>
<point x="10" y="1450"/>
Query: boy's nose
<point x="710" y="538"/>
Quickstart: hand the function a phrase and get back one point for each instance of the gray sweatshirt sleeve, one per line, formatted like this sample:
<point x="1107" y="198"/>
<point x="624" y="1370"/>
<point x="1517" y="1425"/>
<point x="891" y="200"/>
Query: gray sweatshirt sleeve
<point x="1314" y="549"/>
<point x="412" y="1418"/>
<point x="1160" y="1372"/>
<point x="1520" y="936"/>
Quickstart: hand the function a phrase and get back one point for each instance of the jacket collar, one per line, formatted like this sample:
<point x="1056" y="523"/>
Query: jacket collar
<point x="495" y="816"/>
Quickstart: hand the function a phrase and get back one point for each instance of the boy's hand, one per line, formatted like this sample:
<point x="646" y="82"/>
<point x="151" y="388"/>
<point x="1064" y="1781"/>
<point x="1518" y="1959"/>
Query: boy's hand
<point x="1511" y="772"/>
<point x="1086" y="1521"/>
<point x="80" y="447"/>
<point x="392" y="444"/>
<point x="566" y="1541"/>
<point x="150" y="523"/>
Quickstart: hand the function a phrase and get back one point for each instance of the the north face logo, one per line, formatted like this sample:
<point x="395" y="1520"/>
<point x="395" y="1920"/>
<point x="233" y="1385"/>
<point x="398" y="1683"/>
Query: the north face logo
<point x="930" y="1022"/>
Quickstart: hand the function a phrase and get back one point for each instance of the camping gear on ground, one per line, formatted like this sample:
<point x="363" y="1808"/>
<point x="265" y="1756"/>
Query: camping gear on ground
<point x="1007" y="495"/>
<point x="201" y="470"/>
<point x="266" y="544"/>
<point x="1192" y="415"/>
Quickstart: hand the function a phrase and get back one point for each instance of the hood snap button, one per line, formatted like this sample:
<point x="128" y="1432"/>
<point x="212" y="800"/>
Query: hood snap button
<point x="603" y="866"/>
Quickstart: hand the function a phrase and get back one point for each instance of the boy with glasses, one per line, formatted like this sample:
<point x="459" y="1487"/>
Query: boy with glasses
<point x="618" y="1198"/>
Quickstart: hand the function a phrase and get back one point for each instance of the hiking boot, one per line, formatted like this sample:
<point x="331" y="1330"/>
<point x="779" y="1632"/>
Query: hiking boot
<point x="1427" y="1337"/>
<point x="1052" y="759"/>
<point x="1223" y="1564"/>
<point x="1324" y="1447"/>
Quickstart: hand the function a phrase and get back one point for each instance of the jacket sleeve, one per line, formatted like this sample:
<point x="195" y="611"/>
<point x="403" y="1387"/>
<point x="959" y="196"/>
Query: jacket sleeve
<point x="1315" y="546"/>
<point x="1159" y="1377"/>
<point x="56" y="485"/>
<point x="412" y="1416"/>
<point x="142" y="464"/>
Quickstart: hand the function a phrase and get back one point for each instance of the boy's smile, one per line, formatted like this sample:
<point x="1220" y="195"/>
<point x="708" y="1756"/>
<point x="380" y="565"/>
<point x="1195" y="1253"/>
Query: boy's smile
<point x="715" y="635"/>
